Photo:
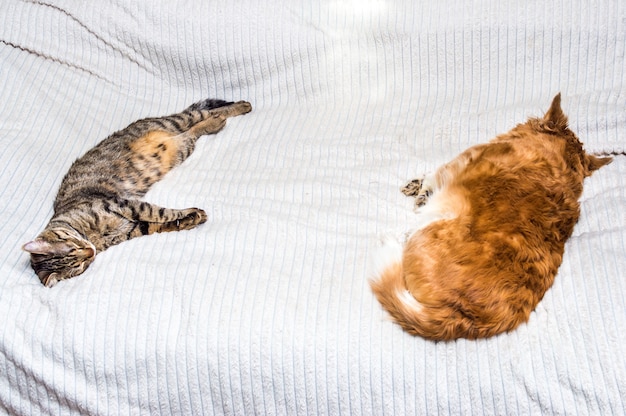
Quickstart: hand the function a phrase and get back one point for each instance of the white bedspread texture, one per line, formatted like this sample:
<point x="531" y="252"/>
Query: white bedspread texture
<point x="265" y="309"/>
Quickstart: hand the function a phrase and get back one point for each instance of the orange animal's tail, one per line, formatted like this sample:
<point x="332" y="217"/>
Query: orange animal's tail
<point x="437" y="324"/>
<point x="391" y="291"/>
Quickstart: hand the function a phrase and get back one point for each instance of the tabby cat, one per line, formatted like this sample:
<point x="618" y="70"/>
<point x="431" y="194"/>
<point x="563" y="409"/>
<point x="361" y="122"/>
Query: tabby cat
<point x="489" y="235"/>
<point x="98" y="204"/>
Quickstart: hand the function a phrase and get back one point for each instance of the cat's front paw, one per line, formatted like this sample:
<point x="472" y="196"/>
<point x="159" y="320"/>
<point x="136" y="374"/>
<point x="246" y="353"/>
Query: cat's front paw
<point x="422" y="197"/>
<point x="412" y="188"/>
<point x="419" y="189"/>
<point x="243" y="107"/>
<point x="193" y="217"/>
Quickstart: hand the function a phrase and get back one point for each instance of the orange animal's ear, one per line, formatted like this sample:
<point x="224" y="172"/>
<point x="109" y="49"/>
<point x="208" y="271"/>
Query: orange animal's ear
<point x="555" y="119"/>
<point x="595" y="163"/>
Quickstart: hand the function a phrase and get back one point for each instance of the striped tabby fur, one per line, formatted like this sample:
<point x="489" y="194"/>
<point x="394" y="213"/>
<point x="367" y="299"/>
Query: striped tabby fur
<point x="98" y="204"/>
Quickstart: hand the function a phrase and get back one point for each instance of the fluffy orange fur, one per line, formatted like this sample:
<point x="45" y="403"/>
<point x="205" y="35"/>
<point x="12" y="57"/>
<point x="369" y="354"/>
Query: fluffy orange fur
<point x="498" y="217"/>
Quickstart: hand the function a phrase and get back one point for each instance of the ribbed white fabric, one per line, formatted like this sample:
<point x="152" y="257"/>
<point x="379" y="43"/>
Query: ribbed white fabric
<point x="265" y="309"/>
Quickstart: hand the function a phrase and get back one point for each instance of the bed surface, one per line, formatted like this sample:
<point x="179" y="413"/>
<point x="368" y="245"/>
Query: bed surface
<point x="265" y="309"/>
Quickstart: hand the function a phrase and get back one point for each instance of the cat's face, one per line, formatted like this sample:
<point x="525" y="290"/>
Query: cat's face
<point x="58" y="254"/>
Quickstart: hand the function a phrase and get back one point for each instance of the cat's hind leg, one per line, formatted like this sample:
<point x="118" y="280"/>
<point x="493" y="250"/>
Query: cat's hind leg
<point x="202" y="118"/>
<point x="226" y="108"/>
<point x="216" y="119"/>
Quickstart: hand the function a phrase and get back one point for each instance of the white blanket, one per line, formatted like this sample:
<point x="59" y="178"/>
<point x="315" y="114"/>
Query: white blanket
<point x="265" y="309"/>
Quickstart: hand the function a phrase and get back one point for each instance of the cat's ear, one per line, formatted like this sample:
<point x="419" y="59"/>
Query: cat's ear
<point x="595" y="163"/>
<point x="555" y="119"/>
<point x="49" y="279"/>
<point x="38" y="246"/>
